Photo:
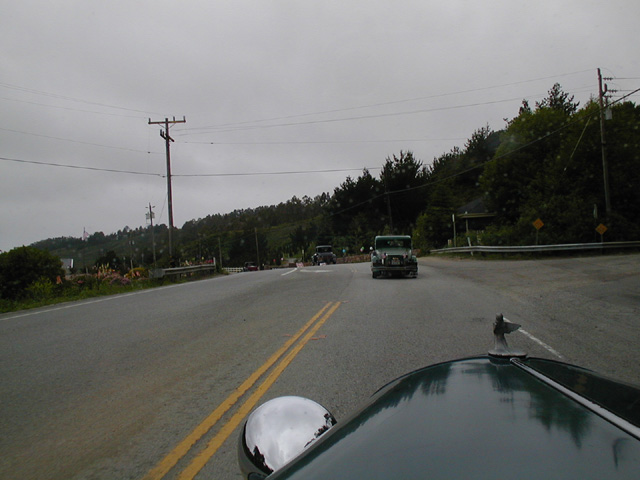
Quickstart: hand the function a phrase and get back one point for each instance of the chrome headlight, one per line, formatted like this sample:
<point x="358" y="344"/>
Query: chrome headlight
<point x="279" y="430"/>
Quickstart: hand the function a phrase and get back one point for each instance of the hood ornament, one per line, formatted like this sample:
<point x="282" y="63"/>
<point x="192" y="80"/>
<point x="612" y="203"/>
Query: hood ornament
<point x="501" y="349"/>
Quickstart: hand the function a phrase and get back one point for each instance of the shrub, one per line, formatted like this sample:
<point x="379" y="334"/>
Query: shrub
<point x="84" y="282"/>
<point x="23" y="266"/>
<point x="138" y="272"/>
<point x="41" y="289"/>
<point x="115" y="278"/>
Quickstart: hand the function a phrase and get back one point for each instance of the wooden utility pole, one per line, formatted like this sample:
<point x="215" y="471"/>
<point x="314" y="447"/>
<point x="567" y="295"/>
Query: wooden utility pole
<point x="167" y="138"/>
<point x="257" y="248"/>
<point x="605" y="170"/>
<point x="388" y="199"/>
<point x="150" y="216"/>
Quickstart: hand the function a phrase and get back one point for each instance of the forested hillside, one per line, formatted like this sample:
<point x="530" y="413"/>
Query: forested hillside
<point x="546" y="163"/>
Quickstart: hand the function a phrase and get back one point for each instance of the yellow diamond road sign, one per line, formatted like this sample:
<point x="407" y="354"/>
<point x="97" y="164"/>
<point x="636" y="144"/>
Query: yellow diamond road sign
<point x="601" y="229"/>
<point x="538" y="224"/>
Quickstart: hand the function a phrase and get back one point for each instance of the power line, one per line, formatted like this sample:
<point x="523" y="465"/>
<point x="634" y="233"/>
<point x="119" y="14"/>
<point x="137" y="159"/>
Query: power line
<point x="79" y="167"/>
<point x="65" y="97"/>
<point x="78" y="141"/>
<point x="70" y="108"/>
<point x="379" y="104"/>
<point x="327" y="142"/>
<point x="363" y="117"/>
<point x="239" y="174"/>
<point x="299" y="172"/>
<point x="379" y="115"/>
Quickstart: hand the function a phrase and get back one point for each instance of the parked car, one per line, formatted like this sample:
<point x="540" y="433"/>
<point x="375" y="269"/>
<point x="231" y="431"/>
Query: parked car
<point x="393" y="255"/>
<point x="501" y="415"/>
<point x="250" y="267"/>
<point x="324" y="254"/>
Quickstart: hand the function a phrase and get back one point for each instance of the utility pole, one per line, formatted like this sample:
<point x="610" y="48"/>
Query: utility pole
<point x="605" y="170"/>
<point x="150" y="216"/>
<point x="388" y="199"/>
<point x="167" y="138"/>
<point x="257" y="248"/>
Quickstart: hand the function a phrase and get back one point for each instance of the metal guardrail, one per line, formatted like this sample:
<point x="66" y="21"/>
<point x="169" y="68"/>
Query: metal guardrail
<point x="539" y="248"/>
<point x="161" y="272"/>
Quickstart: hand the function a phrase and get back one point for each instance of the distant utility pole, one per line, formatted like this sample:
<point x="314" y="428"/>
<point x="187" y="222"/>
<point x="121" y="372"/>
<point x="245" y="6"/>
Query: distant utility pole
<point x="605" y="170"/>
<point x="167" y="138"/>
<point x="150" y="216"/>
<point x="257" y="248"/>
<point x="388" y="198"/>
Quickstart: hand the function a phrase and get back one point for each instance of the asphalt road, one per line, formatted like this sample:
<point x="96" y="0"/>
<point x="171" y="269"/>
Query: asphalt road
<point x="131" y="386"/>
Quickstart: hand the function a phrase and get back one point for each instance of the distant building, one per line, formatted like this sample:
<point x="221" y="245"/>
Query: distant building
<point x="475" y="215"/>
<point x="67" y="264"/>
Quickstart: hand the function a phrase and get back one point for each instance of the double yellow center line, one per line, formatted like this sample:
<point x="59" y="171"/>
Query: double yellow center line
<point x="202" y="457"/>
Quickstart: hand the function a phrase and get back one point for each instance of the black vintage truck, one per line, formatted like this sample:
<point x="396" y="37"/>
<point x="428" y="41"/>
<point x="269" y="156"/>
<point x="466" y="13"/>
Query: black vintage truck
<point x="324" y="254"/>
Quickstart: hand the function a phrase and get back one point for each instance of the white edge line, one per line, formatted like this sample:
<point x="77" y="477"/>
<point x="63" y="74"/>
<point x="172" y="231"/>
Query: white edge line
<point x="289" y="272"/>
<point x="81" y="303"/>
<point x="540" y="342"/>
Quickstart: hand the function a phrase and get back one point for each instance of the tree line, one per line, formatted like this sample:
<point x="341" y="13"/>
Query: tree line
<point x="546" y="163"/>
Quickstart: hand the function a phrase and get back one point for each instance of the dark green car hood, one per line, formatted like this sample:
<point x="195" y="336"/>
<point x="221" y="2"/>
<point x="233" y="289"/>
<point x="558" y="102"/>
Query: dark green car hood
<point x="478" y="418"/>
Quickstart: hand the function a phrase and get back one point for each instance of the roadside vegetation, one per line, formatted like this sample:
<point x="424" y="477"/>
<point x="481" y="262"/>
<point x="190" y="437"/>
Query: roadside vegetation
<point x="545" y="163"/>
<point x="31" y="278"/>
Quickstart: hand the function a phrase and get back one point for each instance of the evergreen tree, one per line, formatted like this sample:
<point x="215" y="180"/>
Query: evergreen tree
<point x="403" y="179"/>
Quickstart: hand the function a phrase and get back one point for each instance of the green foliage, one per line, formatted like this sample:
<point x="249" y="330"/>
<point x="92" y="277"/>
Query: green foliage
<point x="363" y="208"/>
<point x="522" y="169"/>
<point x="559" y="100"/>
<point x="623" y="157"/>
<point x="434" y="226"/>
<point x="501" y="235"/>
<point x="110" y="260"/>
<point x="404" y="180"/>
<point x="138" y="272"/>
<point x="249" y="246"/>
<point x="549" y="166"/>
<point x="41" y="289"/>
<point x="361" y="199"/>
<point x="23" y="266"/>
<point x="453" y="181"/>
<point x="84" y="282"/>
<point x="301" y="238"/>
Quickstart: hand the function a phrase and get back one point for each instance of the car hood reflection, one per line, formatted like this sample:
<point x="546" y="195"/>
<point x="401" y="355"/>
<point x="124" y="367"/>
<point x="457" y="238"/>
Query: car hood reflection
<point x="460" y="419"/>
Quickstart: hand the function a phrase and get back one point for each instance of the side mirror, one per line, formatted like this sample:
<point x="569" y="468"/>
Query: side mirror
<point x="278" y="431"/>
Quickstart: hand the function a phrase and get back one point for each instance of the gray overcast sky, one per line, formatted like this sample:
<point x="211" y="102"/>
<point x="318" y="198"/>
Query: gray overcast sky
<point x="266" y="87"/>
